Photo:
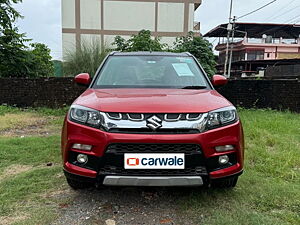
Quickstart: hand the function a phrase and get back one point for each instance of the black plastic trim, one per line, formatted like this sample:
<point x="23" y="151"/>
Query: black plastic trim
<point x="80" y="178"/>
<point x="230" y="176"/>
<point x="212" y="163"/>
<point x="112" y="161"/>
<point x="148" y="131"/>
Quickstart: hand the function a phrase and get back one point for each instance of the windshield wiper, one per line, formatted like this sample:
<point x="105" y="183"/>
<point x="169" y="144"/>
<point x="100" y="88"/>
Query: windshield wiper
<point x="194" y="87"/>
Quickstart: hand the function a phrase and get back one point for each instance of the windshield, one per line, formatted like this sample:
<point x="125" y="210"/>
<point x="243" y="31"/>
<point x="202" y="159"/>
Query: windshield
<point x="151" y="72"/>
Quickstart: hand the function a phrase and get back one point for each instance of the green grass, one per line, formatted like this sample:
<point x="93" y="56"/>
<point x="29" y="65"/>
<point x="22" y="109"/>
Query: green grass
<point x="40" y="111"/>
<point x="267" y="193"/>
<point x="269" y="190"/>
<point x="24" y="175"/>
<point x="22" y="192"/>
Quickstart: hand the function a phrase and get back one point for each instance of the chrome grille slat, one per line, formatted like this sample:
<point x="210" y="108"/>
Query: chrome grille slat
<point x="133" y="119"/>
<point x="113" y="117"/>
<point x="171" y="120"/>
<point x="196" y="118"/>
<point x="155" y="123"/>
<point x="163" y="116"/>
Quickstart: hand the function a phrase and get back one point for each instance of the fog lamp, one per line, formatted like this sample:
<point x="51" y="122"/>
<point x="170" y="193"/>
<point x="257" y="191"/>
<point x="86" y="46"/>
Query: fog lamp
<point x="82" y="147"/>
<point x="224" y="148"/>
<point x="223" y="159"/>
<point x="82" y="159"/>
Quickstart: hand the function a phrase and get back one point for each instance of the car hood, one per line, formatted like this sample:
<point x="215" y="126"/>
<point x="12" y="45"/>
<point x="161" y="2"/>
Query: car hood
<point x="152" y="100"/>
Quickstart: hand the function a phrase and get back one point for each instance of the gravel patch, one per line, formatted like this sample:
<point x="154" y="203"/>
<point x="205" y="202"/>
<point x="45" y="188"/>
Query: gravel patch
<point x="125" y="206"/>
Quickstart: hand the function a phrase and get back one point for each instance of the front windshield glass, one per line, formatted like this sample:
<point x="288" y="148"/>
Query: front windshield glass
<point x="151" y="72"/>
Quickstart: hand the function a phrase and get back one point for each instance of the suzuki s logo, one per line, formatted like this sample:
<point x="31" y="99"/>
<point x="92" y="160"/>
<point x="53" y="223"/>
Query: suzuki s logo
<point x="154" y="123"/>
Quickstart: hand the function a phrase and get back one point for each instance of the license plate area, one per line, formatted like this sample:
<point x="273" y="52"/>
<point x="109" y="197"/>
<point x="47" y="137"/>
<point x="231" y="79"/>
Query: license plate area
<point x="154" y="161"/>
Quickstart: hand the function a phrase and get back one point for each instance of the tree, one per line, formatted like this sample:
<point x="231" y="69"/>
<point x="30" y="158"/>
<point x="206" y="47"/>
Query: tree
<point x="8" y="15"/>
<point x="200" y="48"/>
<point x="11" y="42"/>
<point x="121" y="43"/>
<point x="197" y="46"/>
<point x="140" y="42"/>
<point x="16" y="59"/>
<point x="40" y="61"/>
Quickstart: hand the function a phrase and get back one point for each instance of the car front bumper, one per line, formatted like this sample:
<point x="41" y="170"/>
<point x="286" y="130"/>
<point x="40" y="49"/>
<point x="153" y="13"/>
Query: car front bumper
<point x="204" y="162"/>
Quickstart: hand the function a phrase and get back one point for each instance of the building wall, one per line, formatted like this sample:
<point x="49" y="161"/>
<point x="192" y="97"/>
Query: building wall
<point x="102" y="20"/>
<point x="279" y="51"/>
<point x="90" y="18"/>
<point x="288" y="56"/>
<point x="170" y="17"/>
<point x="271" y="50"/>
<point x="129" y="16"/>
<point x="68" y="14"/>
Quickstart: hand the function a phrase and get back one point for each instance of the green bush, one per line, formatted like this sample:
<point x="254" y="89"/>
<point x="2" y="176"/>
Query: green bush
<point x="33" y="61"/>
<point x="195" y="45"/>
<point x="200" y="48"/>
<point x="140" y="42"/>
<point x="86" y="59"/>
<point x="39" y="61"/>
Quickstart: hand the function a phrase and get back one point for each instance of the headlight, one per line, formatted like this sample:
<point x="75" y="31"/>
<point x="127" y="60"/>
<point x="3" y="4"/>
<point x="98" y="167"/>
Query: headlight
<point x="221" y="117"/>
<point x="86" y="116"/>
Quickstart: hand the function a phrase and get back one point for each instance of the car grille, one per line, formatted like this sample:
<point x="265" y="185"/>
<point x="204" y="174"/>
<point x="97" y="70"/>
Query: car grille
<point x="153" y="123"/>
<point x="112" y="163"/>
<point x="153" y="148"/>
<point x="162" y="116"/>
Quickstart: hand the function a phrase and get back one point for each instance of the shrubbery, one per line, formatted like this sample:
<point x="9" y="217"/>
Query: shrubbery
<point x="196" y="45"/>
<point x="200" y="48"/>
<point x="86" y="59"/>
<point x="140" y="42"/>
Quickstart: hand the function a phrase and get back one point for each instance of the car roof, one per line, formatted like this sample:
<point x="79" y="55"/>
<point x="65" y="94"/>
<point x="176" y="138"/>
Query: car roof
<point x="182" y="54"/>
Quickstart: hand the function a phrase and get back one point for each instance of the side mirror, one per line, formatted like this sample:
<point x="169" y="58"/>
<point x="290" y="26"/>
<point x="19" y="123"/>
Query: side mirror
<point x="83" y="79"/>
<point x="219" y="80"/>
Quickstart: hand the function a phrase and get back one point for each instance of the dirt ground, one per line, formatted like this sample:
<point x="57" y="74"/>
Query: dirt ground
<point x="126" y="205"/>
<point x="28" y="124"/>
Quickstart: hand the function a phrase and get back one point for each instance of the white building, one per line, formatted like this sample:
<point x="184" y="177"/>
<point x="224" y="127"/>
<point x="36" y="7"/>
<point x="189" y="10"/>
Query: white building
<point x="86" y="20"/>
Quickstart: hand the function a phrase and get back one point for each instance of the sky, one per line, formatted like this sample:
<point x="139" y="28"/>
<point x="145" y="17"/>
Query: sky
<point x="42" y="18"/>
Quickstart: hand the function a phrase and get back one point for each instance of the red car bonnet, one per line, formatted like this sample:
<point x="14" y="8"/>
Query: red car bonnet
<point x="152" y="100"/>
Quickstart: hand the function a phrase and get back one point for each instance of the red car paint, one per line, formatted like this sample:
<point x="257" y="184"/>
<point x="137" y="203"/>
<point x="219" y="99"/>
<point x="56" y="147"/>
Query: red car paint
<point x="74" y="133"/>
<point x="152" y="101"/>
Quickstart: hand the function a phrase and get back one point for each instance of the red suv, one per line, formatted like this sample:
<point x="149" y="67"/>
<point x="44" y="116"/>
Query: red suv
<point x="152" y="119"/>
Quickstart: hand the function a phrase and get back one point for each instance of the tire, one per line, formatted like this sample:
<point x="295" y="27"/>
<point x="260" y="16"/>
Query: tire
<point x="79" y="185"/>
<point x="225" y="183"/>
